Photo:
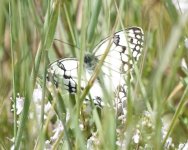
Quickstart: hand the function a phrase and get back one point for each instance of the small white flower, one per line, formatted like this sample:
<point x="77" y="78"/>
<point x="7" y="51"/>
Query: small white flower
<point x="169" y="143"/>
<point x="81" y="126"/>
<point x="147" y="114"/>
<point x="37" y="94"/>
<point x="47" y="145"/>
<point x="19" y="104"/>
<point x="164" y="129"/>
<point x="37" y="99"/>
<point x="136" y="137"/>
<point x="57" y="131"/>
<point x="120" y="144"/>
<point x="92" y="142"/>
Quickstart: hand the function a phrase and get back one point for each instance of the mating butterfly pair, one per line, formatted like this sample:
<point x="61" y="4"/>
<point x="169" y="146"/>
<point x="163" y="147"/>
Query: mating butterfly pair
<point x="125" y="47"/>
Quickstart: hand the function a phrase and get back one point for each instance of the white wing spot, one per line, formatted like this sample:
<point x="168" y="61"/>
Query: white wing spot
<point x="138" y="36"/>
<point x="125" y="58"/>
<point x="126" y="67"/>
<point x="137" y="47"/>
<point x="135" y="53"/>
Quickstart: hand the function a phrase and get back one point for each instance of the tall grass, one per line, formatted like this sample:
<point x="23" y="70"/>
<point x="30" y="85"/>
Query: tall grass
<point x="157" y="96"/>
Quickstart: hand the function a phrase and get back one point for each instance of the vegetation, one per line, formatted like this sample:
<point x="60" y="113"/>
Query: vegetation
<point x="35" y="33"/>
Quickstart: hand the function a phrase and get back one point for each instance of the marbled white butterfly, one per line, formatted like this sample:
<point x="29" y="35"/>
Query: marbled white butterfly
<point x="125" y="48"/>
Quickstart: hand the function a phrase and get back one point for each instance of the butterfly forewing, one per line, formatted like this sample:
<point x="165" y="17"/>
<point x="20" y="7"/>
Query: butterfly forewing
<point x="125" y="47"/>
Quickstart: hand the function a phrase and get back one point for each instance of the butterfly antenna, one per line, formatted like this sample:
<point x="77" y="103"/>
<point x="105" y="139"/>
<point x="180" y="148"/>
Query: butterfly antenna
<point x="66" y="43"/>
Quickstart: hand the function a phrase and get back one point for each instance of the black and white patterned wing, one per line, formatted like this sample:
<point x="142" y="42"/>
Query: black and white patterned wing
<point x="125" y="49"/>
<point x="63" y="73"/>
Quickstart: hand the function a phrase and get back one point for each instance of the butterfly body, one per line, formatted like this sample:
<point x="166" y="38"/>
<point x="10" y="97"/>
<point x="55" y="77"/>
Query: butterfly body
<point x="90" y="61"/>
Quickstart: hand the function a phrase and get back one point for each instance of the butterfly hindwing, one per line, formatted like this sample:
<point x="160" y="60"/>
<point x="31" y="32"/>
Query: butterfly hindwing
<point x="64" y="71"/>
<point x="64" y="74"/>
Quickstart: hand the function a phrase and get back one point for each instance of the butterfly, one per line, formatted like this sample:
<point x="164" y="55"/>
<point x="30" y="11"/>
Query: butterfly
<point x="125" y="48"/>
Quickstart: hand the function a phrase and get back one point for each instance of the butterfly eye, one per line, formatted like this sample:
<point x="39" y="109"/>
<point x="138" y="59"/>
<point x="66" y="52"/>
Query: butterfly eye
<point x="87" y="59"/>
